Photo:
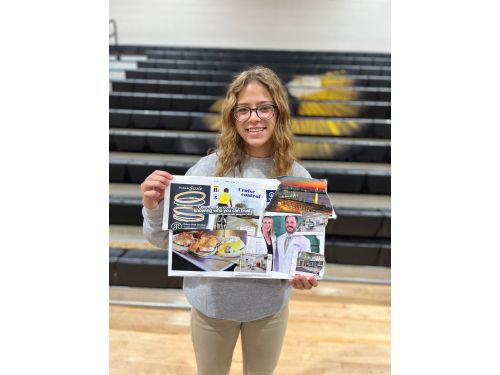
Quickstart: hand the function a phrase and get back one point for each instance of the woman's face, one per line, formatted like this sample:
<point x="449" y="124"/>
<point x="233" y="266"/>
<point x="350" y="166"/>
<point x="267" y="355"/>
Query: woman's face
<point x="267" y="224"/>
<point x="256" y="133"/>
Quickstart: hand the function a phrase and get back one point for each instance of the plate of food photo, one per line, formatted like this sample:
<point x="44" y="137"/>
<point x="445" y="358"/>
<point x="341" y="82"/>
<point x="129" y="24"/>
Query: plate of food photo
<point x="230" y="247"/>
<point x="204" y="246"/>
<point x="182" y="241"/>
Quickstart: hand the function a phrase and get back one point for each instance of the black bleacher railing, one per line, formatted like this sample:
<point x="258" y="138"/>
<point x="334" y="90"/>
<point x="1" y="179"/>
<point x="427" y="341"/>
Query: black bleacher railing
<point x="340" y="180"/>
<point x="227" y="76"/>
<point x="204" y="103"/>
<point x="219" y="88"/>
<point x="196" y="121"/>
<point x="285" y="67"/>
<point x="255" y="56"/>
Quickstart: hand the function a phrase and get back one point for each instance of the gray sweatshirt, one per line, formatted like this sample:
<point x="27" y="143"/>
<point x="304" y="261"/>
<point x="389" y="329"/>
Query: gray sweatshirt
<point x="236" y="299"/>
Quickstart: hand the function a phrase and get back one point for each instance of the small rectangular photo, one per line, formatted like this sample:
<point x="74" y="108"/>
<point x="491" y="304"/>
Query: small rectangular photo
<point x="283" y="239"/>
<point x="180" y="204"/>
<point x="312" y="222"/>
<point x="249" y="197"/>
<point x="255" y="264"/>
<point x="299" y="195"/>
<point x="309" y="264"/>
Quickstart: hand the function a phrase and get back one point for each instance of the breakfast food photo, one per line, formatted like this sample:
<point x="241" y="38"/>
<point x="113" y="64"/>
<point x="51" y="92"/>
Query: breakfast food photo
<point x="201" y="243"/>
<point x="231" y="247"/>
<point x="207" y="250"/>
<point x="204" y="246"/>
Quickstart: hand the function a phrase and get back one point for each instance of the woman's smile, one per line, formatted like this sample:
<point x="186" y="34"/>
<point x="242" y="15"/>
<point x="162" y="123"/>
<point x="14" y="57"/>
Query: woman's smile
<point x="256" y="133"/>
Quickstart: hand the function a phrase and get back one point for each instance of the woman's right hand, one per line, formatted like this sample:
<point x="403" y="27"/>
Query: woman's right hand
<point x="153" y="188"/>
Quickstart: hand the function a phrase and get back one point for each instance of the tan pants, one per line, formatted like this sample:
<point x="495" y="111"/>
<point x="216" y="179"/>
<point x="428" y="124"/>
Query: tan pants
<point x="214" y="341"/>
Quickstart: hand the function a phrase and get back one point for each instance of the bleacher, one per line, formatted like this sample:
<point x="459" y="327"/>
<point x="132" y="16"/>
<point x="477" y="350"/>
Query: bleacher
<point x="163" y="114"/>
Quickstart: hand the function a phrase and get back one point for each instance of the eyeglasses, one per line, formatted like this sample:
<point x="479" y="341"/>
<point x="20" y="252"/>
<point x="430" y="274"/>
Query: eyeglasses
<point x="263" y="111"/>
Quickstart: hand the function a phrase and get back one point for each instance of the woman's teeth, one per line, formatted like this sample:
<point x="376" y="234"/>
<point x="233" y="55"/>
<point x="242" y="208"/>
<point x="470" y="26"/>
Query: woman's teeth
<point x="255" y="130"/>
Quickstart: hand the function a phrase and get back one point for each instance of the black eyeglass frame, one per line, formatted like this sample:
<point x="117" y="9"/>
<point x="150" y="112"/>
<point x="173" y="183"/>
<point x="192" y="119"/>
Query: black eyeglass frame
<point x="256" y="112"/>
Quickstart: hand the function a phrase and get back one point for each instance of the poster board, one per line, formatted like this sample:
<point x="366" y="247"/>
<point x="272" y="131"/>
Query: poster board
<point x="216" y="226"/>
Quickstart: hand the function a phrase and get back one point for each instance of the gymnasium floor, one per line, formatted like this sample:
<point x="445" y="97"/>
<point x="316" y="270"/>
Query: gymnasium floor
<point x="337" y="328"/>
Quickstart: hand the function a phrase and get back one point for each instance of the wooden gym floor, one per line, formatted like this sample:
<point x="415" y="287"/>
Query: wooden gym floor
<point x="338" y="328"/>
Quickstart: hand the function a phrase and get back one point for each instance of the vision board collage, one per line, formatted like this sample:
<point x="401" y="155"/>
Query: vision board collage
<point x="258" y="228"/>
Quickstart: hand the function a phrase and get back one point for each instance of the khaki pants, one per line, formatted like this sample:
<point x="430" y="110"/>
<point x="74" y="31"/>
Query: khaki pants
<point x="214" y="341"/>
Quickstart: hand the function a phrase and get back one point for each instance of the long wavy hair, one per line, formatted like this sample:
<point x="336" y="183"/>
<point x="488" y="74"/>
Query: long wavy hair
<point x="230" y="146"/>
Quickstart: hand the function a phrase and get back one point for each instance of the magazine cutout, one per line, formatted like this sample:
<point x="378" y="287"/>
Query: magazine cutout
<point x="216" y="226"/>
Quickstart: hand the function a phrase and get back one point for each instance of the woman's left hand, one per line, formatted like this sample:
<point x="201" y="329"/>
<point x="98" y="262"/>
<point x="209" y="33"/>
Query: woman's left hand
<point x="303" y="282"/>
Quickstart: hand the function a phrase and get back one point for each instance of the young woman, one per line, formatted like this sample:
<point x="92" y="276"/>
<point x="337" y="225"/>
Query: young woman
<point x="256" y="141"/>
<point x="269" y="238"/>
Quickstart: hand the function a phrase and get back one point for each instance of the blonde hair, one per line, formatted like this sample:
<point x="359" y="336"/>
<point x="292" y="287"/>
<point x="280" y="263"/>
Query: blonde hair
<point x="271" y="232"/>
<point x="230" y="146"/>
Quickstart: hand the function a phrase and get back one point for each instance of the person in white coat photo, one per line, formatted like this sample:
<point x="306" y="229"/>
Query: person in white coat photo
<point x="289" y="244"/>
